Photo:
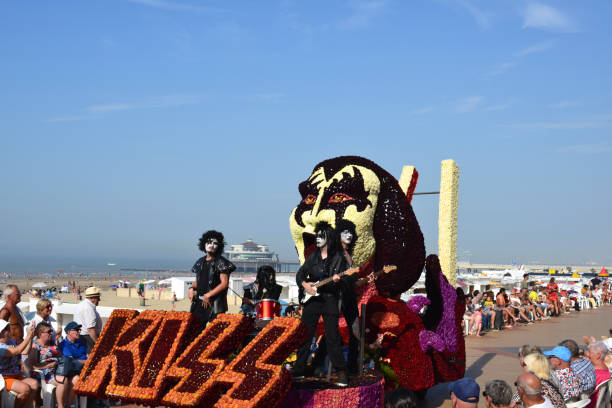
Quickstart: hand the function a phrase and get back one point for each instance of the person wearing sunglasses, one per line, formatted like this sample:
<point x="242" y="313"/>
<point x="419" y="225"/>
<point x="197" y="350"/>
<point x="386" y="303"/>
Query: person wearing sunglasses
<point x="44" y="307"/>
<point x="44" y="354"/>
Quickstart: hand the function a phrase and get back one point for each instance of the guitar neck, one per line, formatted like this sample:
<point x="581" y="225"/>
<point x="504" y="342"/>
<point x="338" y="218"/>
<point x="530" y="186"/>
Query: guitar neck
<point x="374" y="276"/>
<point x="327" y="280"/>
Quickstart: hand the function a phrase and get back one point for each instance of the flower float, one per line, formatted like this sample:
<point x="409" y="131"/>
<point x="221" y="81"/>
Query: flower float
<point x="157" y="359"/>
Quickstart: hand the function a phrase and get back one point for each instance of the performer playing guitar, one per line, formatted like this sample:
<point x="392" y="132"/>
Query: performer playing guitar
<point x="327" y="261"/>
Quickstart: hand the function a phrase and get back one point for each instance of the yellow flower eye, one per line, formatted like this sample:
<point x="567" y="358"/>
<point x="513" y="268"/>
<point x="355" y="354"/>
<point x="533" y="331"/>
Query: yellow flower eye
<point x="340" y="198"/>
<point x="309" y="199"/>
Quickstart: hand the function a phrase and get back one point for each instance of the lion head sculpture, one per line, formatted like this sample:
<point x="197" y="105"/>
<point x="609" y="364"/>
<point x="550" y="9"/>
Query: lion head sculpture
<point x="358" y="190"/>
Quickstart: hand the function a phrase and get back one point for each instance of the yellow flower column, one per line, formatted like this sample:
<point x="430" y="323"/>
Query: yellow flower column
<point x="447" y="219"/>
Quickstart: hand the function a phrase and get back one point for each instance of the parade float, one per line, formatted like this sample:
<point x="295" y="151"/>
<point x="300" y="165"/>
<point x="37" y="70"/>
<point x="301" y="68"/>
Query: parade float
<point x="158" y="358"/>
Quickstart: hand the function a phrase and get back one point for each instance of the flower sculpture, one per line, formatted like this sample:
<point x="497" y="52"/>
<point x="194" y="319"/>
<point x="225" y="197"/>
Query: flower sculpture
<point x="97" y="370"/>
<point x="198" y="368"/>
<point x="258" y="379"/>
<point x="157" y="359"/>
<point x="421" y="349"/>
<point x="149" y="383"/>
<point x="130" y="351"/>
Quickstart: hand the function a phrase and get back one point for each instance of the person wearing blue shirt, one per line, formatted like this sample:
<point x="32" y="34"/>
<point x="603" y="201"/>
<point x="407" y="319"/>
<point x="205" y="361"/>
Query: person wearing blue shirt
<point x="72" y="346"/>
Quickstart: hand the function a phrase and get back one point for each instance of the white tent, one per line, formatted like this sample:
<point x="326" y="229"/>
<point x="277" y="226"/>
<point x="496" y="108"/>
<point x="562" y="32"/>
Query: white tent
<point x="39" y="285"/>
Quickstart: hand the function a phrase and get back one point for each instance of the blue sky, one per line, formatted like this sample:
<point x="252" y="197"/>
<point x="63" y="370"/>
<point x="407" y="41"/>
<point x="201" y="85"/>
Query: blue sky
<point x="129" y="127"/>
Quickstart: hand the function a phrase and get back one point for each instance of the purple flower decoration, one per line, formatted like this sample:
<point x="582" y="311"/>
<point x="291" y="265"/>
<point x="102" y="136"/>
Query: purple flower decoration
<point x="429" y="340"/>
<point x="417" y="303"/>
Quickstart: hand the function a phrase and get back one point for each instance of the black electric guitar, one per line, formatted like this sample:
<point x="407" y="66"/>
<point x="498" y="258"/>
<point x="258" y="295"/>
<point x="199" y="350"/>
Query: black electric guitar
<point x="375" y="275"/>
<point x="305" y="296"/>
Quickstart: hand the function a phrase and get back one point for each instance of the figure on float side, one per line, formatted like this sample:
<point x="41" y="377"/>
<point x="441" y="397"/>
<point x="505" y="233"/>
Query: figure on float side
<point x="348" y="303"/>
<point x="208" y="293"/>
<point x="326" y="261"/>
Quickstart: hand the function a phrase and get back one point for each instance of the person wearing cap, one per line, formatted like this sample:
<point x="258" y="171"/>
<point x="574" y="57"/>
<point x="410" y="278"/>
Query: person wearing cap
<point x="498" y="394"/>
<point x="581" y="366"/>
<point x="10" y="365"/>
<point x="559" y="358"/>
<point x="88" y="317"/>
<point x="72" y="346"/>
<point x="464" y="393"/>
<point x="529" y="388"/>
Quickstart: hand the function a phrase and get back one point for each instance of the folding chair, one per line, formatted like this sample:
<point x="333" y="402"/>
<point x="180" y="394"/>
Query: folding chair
<point x="8" y="397"/>
<point x="604" y="397"/>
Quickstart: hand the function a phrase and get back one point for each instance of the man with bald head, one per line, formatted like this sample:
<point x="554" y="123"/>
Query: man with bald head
<point x="530" y="391"/>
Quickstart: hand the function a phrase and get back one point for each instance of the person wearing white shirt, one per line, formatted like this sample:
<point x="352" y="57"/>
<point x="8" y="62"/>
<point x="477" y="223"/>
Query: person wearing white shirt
<point x="43" y="314"/>
<point x="88" y="318"/>
<point x="529" y="388"/>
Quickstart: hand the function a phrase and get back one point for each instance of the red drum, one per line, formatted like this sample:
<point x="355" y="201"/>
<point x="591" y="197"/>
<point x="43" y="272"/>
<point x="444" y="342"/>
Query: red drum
<point x="267" y="309"/>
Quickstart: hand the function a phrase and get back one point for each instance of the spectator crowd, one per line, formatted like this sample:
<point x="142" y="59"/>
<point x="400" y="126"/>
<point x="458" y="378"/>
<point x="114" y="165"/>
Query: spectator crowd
<point x="34" y="354"/>
<point x="529" y="303"/>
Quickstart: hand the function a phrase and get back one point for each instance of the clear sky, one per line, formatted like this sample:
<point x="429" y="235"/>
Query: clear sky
<point x="128" y="127"/>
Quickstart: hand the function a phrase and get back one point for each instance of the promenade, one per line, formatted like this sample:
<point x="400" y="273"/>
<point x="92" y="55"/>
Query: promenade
<point x="494" y="356"/>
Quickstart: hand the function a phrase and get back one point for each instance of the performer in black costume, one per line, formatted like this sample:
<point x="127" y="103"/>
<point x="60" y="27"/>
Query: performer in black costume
<point x="326" y="261"/>
<point x="348" y="302"/>
<point x="208" y="293"/>
<point x="264" y="287"/>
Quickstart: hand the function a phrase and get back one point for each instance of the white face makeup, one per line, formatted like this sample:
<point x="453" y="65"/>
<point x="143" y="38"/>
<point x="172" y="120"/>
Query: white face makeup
<point x="346" y="237"/>
<point x="212" y="245"/>
<point x="321" y="239"/>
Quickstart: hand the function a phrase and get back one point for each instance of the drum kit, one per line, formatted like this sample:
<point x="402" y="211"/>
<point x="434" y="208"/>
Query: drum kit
<point x="265" y="311"/>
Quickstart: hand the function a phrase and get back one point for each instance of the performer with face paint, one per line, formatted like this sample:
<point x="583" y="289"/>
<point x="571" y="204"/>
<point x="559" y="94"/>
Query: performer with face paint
<point x="208" y="293"/>
<point x="348" y="302"/>
<point x="264" y="287"/>
<point x="327" y="260"/>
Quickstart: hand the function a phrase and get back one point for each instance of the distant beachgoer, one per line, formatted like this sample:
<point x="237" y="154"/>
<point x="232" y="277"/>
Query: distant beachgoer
<point x="173" y="301"/>
<point x="553" y="295"/>
<point x="208" y="293"/>
<point x="12" y="313"/>
<point x="88" y="317"/>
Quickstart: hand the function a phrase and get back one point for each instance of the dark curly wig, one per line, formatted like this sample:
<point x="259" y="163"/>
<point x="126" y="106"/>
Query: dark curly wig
<point x="333" y="238"/>
<point x="210" y="235"/>
<point x="346" y="225"/>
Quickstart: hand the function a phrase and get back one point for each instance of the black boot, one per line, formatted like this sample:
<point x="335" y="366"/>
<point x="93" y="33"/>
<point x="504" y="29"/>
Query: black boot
<point x="342" y="380"/>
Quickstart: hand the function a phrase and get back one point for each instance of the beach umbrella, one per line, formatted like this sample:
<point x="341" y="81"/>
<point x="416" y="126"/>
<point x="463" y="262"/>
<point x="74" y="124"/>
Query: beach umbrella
<point x="39" y="285"/>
